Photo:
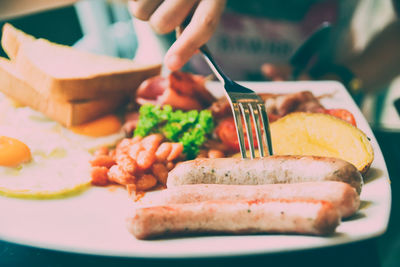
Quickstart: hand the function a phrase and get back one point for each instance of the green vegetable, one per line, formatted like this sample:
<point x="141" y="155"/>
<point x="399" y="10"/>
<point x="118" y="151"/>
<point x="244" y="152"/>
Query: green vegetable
<point x="189" y="128"/>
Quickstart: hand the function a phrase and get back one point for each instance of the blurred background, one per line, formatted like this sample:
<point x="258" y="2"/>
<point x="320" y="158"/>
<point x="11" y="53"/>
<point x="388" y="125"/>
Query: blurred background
<point x="106" y="27"/>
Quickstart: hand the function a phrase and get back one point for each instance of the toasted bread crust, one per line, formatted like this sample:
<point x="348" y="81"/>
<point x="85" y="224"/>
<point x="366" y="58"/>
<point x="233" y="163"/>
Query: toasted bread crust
<point x="14" y="86"/>
<point x="65" y="73"/>
<point x="12" y="38"/>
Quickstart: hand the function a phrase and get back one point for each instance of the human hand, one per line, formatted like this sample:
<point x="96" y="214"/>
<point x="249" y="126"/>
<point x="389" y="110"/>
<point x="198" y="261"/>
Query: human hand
<point x="286" y="72"/>
<point x="166" y="15"/>
<point x="282" y="72"/>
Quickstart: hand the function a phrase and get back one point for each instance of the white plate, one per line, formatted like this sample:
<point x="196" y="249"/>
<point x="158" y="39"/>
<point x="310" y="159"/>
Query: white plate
<point x="94" y="222"/>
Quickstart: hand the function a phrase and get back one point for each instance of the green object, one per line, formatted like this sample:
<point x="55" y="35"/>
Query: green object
<point x="189" y="128"/>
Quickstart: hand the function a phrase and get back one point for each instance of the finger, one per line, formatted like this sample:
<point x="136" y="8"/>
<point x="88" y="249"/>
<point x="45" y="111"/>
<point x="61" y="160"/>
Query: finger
<point x="276" y="72"/>
<point x="143" y="9"/>
<point x="170" y="14"/>
<point x="304" y="77"/>
<point x="200" y="29"/>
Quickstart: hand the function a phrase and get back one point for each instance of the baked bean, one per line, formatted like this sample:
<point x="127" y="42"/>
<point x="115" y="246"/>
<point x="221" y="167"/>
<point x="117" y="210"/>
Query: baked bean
<point x="146" y="182"/>
<point x="215" y="153"/>
<point x="145" y="159"/>
<point x="135" y="149"/>
<point x="152" y="142"/>
<point x="202" y="154"/>
<point x="160" y="172"/>
<point x="99" y="175"/>
<point x="103" y="161"/>
<point x="170" y="165"/>
<point x="120" y="154"/>
<point x="163" y="151"/>
<point x="124" y="145"/>
<point x="176" y="151"/>
<point x="137" y="163"/>
<point x="118" y="175"/>
<point x="101" y="151"/>
<point x="112" y="153"/>
<point x="136" y="139"/>
<point x="127" y="164"/>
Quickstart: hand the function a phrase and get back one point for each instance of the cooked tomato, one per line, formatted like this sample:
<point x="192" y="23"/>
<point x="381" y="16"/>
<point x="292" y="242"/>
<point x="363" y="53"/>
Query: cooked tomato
<point x="343" y="114"/>
<point x="226" y="131"/>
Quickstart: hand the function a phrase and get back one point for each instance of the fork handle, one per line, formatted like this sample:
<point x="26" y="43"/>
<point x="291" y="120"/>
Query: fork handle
<point x="214" y="66"/>
<point x="221" y="76"/>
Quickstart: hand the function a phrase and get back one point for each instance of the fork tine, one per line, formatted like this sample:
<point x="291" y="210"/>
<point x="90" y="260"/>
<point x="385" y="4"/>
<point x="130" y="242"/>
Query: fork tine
<point x="256" y="121"/>
<point x="265" y="124"/>
<point x="237" y="93"/>
<point x="239" y="128"/>
<point x="246" y="114"/>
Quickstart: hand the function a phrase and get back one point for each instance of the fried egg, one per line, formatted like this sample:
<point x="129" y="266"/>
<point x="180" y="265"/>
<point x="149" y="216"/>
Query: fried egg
<point x="40" y="158"/>
<point x="16" y="116"/>
<point x="41" y="164"/>
<point x="13" y="152"/>
<point x="104" y="131"/>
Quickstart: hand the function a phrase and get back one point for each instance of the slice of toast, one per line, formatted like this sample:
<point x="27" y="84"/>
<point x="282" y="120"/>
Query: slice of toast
<point x="68" y="74"/>
<point x="12" y="38"/>
<point x="13" y="85"/>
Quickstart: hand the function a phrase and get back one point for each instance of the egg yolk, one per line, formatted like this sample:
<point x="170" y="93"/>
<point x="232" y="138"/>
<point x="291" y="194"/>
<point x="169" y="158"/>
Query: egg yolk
<point x="13" y="152"/>
<point x="100" y="127"/>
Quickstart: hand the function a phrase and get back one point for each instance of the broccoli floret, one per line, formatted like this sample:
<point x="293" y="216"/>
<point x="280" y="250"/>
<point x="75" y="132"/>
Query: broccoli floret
<point x="189" y="128"/>
<point x="206" y="121"/>
<point x="148" y="120"/>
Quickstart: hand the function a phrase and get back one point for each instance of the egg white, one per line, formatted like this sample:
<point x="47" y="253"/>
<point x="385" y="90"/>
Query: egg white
<point x="60" y="158"/>
<point x="57" y="167"/>
<point x="90" y="143"/>
<point x="35" y="121"/>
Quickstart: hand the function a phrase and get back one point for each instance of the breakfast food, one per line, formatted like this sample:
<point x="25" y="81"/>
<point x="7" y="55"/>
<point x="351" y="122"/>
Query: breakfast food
<point x="13" y="152"/>
<point x="341" y="195"/>
<point x="150" y="144"/>
<point x="67" y="113"/>
<point x="181" y="90"/>
<point x="68" y="85"/>
<point x="162" y="138"/>
<point x="39" y="158"/>
<point x="278" y="106"/>
<point x="237" y="217"/>
<point x="269" y="170"/>
<point x="12" y="39"/>
<point x="139" y="164"/>
<point x="105" y="131"/>
<point x="321" y="135"/>
<point x="68" y="74"/>
<point x="40" y="165"/>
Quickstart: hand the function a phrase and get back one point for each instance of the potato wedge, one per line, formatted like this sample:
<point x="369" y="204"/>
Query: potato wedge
<point x="321" y="135"/>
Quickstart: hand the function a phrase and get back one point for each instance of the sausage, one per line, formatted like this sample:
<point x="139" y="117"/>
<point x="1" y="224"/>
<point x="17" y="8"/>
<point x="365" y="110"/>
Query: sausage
<point x="235" y="217"/>
<point x="341" y="195"/>
<point x="268" y="170"/>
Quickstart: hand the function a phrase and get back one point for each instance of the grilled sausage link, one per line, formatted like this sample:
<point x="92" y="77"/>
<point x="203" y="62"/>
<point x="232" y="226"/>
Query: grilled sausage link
<point x="341" y="195"/>
<point x="268" y="170"/>
<point x="237" y="217"/>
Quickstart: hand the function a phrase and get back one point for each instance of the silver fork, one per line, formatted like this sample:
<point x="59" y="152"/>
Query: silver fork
<point x="244" y="102"/>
